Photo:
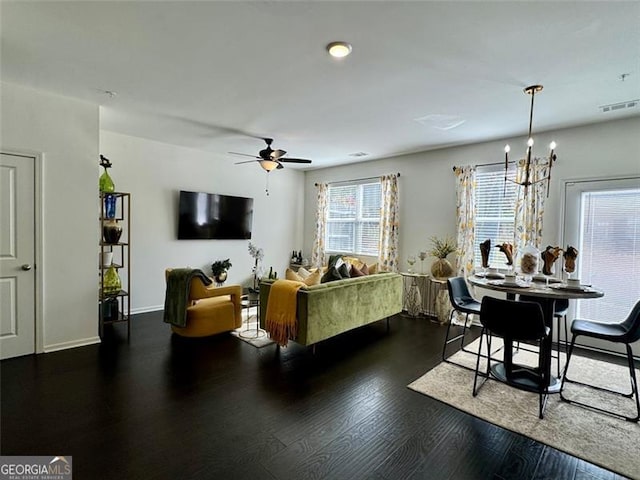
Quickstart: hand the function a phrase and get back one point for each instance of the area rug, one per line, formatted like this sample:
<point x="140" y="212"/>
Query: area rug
<point x="597" y="438"/>
<point x="248" y="329"/>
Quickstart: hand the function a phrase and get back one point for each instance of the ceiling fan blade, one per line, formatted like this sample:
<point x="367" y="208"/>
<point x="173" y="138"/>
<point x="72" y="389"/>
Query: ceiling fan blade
<point x="248" y="161"/>
<point x="276" y="154"/>
<point x="243" y="154"/>
<point x="279" y="166"/>
<point x="294" y="160"/>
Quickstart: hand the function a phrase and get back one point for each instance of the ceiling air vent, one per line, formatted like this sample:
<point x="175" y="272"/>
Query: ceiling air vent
<point x="619" y="106"/>
<point x="358" y="154"/>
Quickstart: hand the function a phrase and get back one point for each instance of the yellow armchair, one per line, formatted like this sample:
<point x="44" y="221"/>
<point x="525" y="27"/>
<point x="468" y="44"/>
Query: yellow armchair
<point x="210" y="309"/>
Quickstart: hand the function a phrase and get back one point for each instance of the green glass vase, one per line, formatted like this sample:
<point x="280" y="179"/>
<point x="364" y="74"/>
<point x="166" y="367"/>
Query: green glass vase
<point x="111" y="282"/>
<point x="106" y="183"/>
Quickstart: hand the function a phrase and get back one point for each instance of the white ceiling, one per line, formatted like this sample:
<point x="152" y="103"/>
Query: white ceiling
<point x="206" y="74"/>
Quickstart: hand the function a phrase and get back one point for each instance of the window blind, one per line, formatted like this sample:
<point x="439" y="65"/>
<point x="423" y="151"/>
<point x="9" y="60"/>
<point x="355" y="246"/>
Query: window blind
<point x="353" y="223"/>
<point x="609" y="252"/>
<point x="494" y="212"/>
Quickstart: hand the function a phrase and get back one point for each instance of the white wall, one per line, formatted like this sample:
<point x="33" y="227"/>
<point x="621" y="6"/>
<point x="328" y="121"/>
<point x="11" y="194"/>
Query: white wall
<point x="65" y="131"/>
<point x="155" y="172"/>
<point x="427" y="186"/>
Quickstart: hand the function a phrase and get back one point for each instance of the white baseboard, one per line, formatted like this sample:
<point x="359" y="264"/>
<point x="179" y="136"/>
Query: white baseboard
<point x="153" y="308"/>
<point x="72" y="344"/>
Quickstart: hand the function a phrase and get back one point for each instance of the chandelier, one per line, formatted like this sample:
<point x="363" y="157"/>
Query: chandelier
<point x="527" y="180"/>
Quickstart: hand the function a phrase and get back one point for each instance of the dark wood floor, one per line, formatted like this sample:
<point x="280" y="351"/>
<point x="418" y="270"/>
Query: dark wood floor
<point x="165" y="407"/>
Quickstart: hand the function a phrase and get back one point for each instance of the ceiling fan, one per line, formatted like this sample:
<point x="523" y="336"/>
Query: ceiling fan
<point x="270" y="159"/>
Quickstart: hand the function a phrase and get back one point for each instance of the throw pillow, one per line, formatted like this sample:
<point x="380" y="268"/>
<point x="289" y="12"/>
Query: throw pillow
<point x="333" y="259"/>
<point x="352" y="260"/>
<point x="313" y="278"/>
<point x="364" y="269"/>
<point x="303" y="272"/>
<point x="373" y="269"/>
<point x="356" y="272"/>
<point x="343" y="270"/>
<point x="331" y="275"/>
<point x="291" y="275"/>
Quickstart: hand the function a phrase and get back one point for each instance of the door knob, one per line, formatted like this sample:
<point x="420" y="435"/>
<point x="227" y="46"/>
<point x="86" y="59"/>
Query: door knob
<point x="26" y="267"/>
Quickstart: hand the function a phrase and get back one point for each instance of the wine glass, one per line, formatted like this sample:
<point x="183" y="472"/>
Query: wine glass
<point x="411" y="260"/>
<point x="422" y="256"/>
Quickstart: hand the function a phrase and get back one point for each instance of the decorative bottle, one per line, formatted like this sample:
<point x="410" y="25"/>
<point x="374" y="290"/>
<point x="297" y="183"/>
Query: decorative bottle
<point x="106" y="183"/>
<point x="111" y="282"/>
<point x="110" y="206"/>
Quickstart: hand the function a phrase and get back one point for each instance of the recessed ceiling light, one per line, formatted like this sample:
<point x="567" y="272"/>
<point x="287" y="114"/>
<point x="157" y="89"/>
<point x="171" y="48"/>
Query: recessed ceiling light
<point x="339" y="49"/>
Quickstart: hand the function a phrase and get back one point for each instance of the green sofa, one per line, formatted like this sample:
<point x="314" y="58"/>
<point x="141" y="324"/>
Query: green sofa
<point x="332" y="308"/>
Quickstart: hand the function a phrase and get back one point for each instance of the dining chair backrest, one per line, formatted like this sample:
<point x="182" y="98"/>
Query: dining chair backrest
<point x="459" y="294"/>
<point x="520" y="321"/>
<point x="632" y="324"/>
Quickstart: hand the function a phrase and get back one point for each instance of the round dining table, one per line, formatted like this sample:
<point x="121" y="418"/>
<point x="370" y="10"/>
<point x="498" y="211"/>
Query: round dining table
<point x="547" y="296"/>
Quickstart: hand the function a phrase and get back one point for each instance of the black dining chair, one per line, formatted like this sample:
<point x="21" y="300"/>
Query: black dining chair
<point x="560" y="310"/>
<point x="461" y="301"/>
<point x="627" y="332"/>
<point x="515" y="321"/>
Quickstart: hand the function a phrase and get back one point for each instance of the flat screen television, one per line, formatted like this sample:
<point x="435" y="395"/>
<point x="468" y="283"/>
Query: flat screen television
<point x="204" y="216"/>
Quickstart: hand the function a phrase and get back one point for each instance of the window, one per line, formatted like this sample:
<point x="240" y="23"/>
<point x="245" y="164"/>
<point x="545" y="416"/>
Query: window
<point x="494" y="213"/>
<point x="608" y="241"/>
<point x="353" y="223"/>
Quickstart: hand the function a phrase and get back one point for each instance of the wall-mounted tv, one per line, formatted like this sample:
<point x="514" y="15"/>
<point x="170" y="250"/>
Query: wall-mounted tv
<point x="204" y="216"/>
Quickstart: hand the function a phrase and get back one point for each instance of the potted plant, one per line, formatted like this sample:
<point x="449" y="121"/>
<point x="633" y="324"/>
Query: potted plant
<point x="440" y="249"/>
<point x="219" y="270"/>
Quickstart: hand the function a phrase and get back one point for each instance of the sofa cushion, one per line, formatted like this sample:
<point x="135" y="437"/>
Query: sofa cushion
<point x="292" y="275"/>
<point x="331" y="275"/>
<point x="356" y="272"/>
<point x="313" y="278"/>
<point x="352" y="260"/>
<point x="303" y="272"/>
<point x="343" y="270"/>
<point x="333" y="260"/>
<point x="310" y="279"/>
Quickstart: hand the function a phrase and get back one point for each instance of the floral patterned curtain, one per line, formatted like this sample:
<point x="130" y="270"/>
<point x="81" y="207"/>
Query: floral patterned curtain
<point x="389" y="221"/>
<point x="529" y="210"/>
<point x="318" y="250"/>
<point x="465" y="215"/>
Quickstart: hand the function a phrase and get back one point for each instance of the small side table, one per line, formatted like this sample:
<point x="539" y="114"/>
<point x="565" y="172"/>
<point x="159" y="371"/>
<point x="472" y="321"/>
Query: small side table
<point x="442" y="303"/>
<point x="412" y="298"/>
<point x="249" y="300"/>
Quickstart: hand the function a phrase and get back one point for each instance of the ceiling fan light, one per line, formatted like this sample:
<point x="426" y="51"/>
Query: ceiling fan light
<point x="268" y="165"/>
<point x="339" y="49"/>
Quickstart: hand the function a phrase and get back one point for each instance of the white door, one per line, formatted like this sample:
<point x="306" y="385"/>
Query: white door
<point x="17" y="255"/>
<point x="602" y="220"/>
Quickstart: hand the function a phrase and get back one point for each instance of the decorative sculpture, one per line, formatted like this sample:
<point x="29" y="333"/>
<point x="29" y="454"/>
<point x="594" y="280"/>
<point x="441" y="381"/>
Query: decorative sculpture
<point x="570" y="255"/>
<point x="507" y="249"/>
<point x="549" y="257"/>
<point x="485" y="250"/>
